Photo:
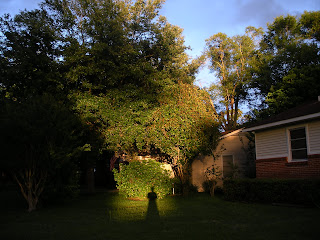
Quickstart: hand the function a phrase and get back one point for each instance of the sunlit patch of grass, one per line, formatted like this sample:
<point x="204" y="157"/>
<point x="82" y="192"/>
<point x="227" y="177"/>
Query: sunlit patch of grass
<point x="122" y="209"/>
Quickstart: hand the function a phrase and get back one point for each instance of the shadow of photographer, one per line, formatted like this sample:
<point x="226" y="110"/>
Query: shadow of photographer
<point x="153" y="212"/>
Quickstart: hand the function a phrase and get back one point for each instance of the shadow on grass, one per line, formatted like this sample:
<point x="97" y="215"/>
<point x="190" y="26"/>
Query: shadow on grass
<point x="111" y="216"/>
<point x="152" y="212"/>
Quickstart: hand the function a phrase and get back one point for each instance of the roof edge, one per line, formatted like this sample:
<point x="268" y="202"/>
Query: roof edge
<point x="232" y="133"/>
<point x="282" y="122"/>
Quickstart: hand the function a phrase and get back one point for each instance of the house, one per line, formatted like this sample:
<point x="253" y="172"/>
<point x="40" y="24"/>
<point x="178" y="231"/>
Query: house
<point x="288" y="144"/>
<point x="230" y="158"/>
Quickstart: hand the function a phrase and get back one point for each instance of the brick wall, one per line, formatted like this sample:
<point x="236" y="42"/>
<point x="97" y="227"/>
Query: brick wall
<point x="281" y="168"/>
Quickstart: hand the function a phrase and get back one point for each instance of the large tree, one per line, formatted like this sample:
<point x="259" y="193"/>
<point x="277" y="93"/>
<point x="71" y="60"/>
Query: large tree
<point x="286" y="68"/>
<point x="114" y="64"/>
<point x="179" y="122"/>
<point x="120" y="56"/>
<point x="31" y="67"/>
<point x="230" y="60"/>
<point x="183" y="126"/>
<point x="28" y="55"/>
<point x="108" y="44"/>
<point x="41" y="140"/>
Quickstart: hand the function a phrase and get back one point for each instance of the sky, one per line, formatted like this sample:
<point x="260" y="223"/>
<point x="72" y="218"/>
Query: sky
<point x="201" y="19"/>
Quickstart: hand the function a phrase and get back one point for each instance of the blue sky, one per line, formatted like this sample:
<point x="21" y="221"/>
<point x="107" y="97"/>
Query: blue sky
<point x="200" y="19"/>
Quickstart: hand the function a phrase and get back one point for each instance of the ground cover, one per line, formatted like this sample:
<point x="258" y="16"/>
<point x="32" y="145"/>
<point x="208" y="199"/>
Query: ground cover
<point x="108" y="215"/>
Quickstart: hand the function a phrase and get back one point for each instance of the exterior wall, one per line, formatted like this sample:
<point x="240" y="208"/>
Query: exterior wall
<point x="271" y="144"/>
<point x="314" y="137"/>
<point x="199" y="167"/>
<point x="273" y="158"/>
<point x="281" y="168"/>
<point x="231" y="145"/>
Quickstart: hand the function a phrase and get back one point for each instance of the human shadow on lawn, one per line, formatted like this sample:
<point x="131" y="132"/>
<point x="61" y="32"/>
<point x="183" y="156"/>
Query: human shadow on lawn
<point x="153" y="212"/>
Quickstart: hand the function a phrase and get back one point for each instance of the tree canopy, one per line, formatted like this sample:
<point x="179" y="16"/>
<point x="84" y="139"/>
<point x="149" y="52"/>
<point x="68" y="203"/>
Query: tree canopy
<point x="286" y="68"/>
<point x="119" y="73"/>
<point x="41" y="141"/>
<point x="108" y="44"/>
<point x="270" y="71"/>
<point x="79" y="77"/>
<point x="230" y="59"/>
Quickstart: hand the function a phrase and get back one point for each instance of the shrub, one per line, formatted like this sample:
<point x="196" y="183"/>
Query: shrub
<point x="138" y="178"/>
<point x="293" y="191"/>
<point x="209" y="185"/>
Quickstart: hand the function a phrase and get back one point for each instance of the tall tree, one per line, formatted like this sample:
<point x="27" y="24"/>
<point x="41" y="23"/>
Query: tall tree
<point x="28" y="55"/>
<point x="179" y="122"/>
<point x="32" y="68"/>
<point x="286" y="70"/>
<point x="112" y="43"/>
<point x="117" y="62"/>
<point x="183" y="126"/>
<point x="230" y="59"/>
<point x="119" y="57"/>
<point x="41" y="141"/>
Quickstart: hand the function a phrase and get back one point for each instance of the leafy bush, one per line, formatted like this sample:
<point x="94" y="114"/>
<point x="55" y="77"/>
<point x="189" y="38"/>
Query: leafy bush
<point x="293" y="191"/>
<point x="138" y="178"/>
<point x="208" y="185"/>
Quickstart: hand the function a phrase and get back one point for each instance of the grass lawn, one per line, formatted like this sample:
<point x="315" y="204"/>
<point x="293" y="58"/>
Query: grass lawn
<point x="110" y="216"/>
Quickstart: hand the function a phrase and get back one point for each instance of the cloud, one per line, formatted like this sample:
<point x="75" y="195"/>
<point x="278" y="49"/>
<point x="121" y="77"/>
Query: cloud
<point x="257" y="12"/>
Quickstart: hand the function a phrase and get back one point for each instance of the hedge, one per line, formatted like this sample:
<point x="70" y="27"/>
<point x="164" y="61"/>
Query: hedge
<point x="292" y="191"/>
<point x="140" y="178"/>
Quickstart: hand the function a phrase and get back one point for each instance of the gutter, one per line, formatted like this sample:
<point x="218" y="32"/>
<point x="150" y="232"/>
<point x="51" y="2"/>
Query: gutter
<point x="278" y="123"/>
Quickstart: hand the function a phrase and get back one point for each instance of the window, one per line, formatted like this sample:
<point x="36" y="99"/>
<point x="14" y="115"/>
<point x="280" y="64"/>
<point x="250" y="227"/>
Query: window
<point x="227" y="165"/>
<point x="298" y="144"/>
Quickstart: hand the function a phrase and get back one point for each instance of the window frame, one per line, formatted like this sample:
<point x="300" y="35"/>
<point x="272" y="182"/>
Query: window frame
<point x="289" y="129"/>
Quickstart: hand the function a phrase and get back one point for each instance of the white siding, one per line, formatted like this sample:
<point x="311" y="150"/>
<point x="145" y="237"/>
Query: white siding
<point x="314" y="137"/>
<point x="271" y="144"/>
<point x="230" y="145"/>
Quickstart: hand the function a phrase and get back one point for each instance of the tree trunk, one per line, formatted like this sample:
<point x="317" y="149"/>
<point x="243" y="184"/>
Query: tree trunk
<point x="31" y="182"/>
<point x="212" y="189"/>
<point x="32" y="201"/>
<point x="183" y="176"/>
<point x="236" y="113"/>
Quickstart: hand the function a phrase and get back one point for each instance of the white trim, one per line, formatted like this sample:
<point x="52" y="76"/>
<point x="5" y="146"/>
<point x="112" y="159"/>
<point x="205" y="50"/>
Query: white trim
<point x="232" y="133"/>
<point x="306" y="128"/>
<point x="255" y="146"/>
<point x="278" y="123"/>
<point x="272" y="156"/>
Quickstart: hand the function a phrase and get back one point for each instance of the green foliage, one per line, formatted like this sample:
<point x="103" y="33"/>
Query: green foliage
<point x="184" y="124"/>
<point x="121" y="115"/>
<point x="41" y="143"/>
<point x="286" y="67"/>
<point x="115" y="63"/>
<point x="212" y="174"/>
<point x="230" y="58"/>
<point x="179" y="121"/>
<point x="273" y="191"/>
<point x="310" y="24"/>
<point x="137" y="179"/>
<point x="109" y="44"/>
<point x="28" y="53"/>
